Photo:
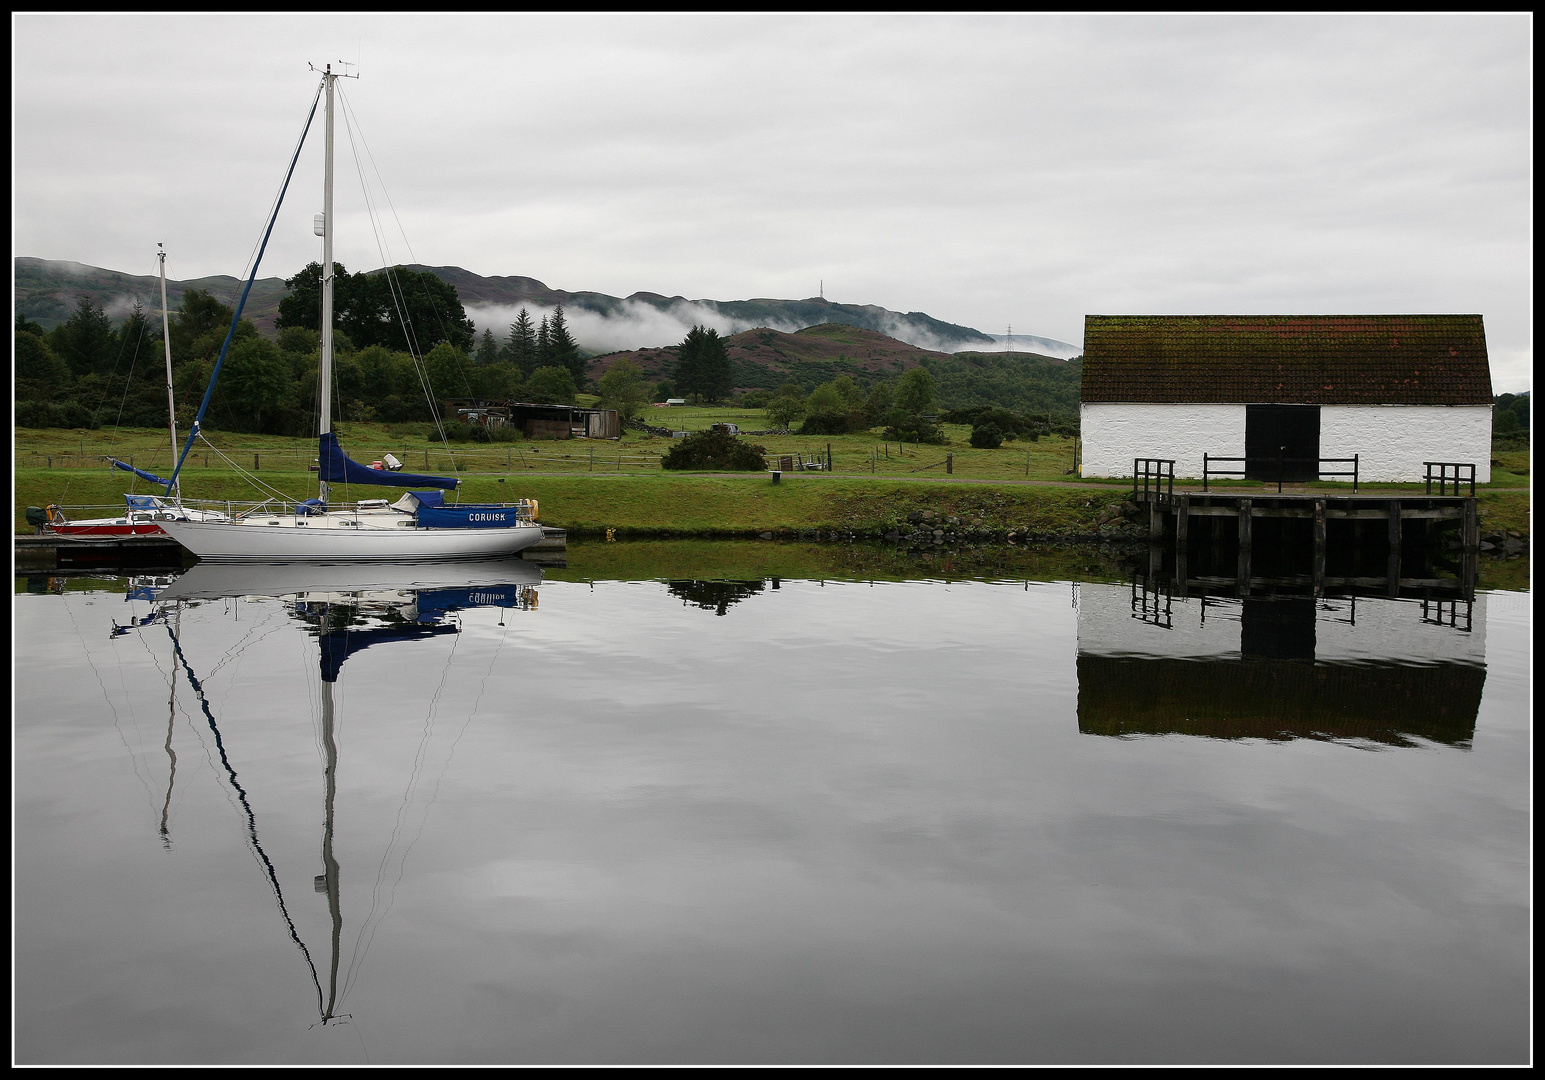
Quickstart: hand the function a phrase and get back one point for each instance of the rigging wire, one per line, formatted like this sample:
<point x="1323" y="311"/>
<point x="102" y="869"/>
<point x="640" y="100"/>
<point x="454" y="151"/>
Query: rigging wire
<point x="393" y="283"/>
<point x="236" y="315"/>
<point x="412" y="255"/>
<point x="253" y="842"/>
<point x="367" y="930"/>
<point x="128" y="380"/>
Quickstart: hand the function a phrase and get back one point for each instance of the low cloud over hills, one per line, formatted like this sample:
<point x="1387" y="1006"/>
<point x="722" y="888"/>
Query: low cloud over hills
<point x="47" y="290"/>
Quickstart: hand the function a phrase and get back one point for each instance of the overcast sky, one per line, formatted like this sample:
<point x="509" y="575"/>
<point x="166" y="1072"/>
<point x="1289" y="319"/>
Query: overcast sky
<point x="986" y="169"/>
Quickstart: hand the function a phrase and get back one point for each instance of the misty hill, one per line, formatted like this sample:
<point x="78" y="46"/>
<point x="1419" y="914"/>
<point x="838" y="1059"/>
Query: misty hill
<point x="789" y="315"/>
<point x="764" y="358"/>
<point x="47" y="291"/>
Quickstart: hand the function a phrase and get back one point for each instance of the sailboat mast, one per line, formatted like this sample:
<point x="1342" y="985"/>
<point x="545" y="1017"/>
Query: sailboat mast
<point x="166" y="337"/>
<point x="327" y="275"/>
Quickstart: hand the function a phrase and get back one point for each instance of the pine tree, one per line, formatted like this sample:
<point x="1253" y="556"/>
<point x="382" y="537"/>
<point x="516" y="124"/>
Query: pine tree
<point x="565" y="352"/>
<point x="522" y="347"/>
<point x="702" y="365"/>
<point x="487" y="350"/>
<point x="544" y="345"/>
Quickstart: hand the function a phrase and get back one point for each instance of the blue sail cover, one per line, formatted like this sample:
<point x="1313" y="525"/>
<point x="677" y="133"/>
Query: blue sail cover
<point x="335" y="468"/>
<point x="339" y="645"/>
<point x="152" y="477"/>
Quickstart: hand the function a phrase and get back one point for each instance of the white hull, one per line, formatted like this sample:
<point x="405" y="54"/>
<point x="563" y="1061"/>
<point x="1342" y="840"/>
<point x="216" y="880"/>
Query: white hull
<point x="363" y="537"/>
<point x="212" y="580"/>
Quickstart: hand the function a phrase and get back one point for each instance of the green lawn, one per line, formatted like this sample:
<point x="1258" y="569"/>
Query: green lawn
<point x="620" y="484"/>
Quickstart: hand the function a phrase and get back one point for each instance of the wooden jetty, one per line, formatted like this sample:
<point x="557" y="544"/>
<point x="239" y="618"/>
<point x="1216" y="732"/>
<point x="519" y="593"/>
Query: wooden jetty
<point x="1186" y="519"/>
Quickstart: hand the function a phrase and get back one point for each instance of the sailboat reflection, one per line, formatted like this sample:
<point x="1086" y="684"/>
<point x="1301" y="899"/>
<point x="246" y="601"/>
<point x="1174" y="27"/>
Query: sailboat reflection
<point x="1361" y="668"/>
<point x="347" y="609"/>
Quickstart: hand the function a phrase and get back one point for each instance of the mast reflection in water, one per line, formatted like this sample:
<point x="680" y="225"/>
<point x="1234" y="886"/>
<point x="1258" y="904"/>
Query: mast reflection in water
<point x="347" y="609"/>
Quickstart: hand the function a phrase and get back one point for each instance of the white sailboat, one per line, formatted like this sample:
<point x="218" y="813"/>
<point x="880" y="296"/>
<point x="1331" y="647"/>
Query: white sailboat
<point x="418" y="526"/>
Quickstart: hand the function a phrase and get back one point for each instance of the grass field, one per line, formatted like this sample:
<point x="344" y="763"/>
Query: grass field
<point x="594" y="486"/>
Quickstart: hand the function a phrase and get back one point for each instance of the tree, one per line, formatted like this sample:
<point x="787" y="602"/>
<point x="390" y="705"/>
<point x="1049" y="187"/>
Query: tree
<point x="85" y="341"/>
<point x="826" y="411"/>
<point x="487" y="350"/>
<point x="35" y="361"/>
<point x="551" y="386"/>
<point x="664" y="390"/>
<point x="914" y="391"/>
<point x="622" y="388"/>
<point x="199" y="327"/>
<point x="852" y="393"/>
<point x="447" y="368"/>
<point x="788" y="406"/>
<point x="563" y="351"/>
<point x="878" y="404"/>
<point x="543" y="355"/>
<point x="370" y="307"/>
<point x="703" y="365"/>
<point x="522" y="346"/>
<point x="256" y="384"/>
<point x="499" y="382"/>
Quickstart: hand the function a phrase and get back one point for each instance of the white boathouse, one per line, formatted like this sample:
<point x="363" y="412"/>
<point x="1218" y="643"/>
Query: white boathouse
<point x="1396" y="391"/>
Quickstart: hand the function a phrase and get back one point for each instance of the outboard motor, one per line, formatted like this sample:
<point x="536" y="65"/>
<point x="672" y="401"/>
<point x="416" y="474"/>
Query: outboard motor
<point x="37" y="517"/>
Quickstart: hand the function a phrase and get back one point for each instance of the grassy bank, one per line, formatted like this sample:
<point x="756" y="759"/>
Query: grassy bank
<point x="634" y="497"/>
<point x="671" y="505"/>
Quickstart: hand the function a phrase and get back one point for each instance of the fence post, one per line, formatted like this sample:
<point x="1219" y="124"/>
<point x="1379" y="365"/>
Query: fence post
<point x="949" y="464"/>
<point x="254" y="463"/>
<point x="1354" y="474"/>
<point x="1205" y="460"/>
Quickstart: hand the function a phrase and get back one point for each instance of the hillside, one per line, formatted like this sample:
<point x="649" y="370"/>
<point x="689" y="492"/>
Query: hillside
<point x="47" y="290"/>
<point x="766" y="359"/>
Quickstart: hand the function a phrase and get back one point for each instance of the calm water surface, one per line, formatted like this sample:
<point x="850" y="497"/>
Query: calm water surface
<point x="497" y="818"/>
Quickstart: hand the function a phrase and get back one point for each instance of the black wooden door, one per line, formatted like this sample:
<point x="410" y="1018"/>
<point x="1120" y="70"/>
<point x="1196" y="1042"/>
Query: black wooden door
<point x="1289" y="433"/>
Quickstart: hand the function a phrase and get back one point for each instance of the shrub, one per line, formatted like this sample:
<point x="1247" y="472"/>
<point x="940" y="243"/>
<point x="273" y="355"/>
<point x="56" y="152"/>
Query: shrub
<point x="715" y="450"/>
<point x="914" y="429"/>
<point x="986" y="437"/>
<point x="827" y="423"/>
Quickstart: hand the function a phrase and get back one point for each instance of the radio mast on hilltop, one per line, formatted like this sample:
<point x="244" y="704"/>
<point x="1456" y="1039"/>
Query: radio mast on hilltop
<point x="1008" y="341"/>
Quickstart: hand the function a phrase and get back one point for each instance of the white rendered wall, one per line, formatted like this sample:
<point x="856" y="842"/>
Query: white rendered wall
<point x="1391" y="441"/>
<point x="1113" y="433"/>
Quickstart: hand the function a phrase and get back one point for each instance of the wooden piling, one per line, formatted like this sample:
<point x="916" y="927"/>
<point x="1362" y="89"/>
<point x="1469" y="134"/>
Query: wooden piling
<point x="1319" y="547"/>
<point x="1182" y="537"/>
<point x="1244" y="547"/>
<point x="1392" y="566"/>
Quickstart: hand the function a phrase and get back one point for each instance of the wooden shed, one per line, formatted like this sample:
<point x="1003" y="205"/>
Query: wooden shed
<point x="1394" y="390"/>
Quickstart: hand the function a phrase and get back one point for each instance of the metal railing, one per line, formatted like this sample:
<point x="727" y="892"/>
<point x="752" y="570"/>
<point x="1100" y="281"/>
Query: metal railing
<point x="1320" y="472"/>
<point x="1153" y="480"/>
<point x="1450" y="472"/>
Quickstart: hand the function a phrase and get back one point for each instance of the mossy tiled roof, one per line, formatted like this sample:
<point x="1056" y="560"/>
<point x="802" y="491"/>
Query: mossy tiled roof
<point x="1287" y="359"/>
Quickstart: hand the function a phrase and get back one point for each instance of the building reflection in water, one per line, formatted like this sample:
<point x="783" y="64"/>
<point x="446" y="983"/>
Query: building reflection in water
<point x="1154" y="661"/>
